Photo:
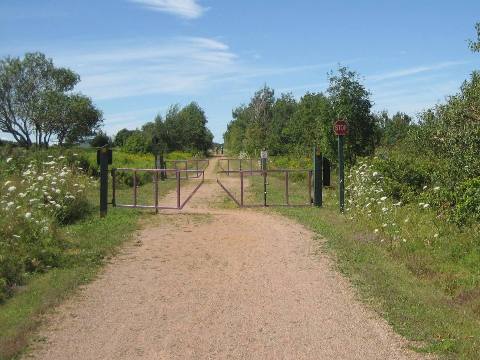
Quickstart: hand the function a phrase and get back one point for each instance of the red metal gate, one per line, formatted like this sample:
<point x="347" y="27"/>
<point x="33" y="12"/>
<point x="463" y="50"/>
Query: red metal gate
<point x="243" y="174"/>
<point x="157" y="174"/>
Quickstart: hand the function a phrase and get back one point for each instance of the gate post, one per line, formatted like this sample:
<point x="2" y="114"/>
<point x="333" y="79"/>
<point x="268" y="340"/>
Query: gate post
<point x="264" y="156"/>
<point x="286" y="188"/>
<point x="104" y="157"/>
<point x="317" y="177"/>
<point x="241" y="188"/>
<point x="178" y="188"/>
<point x="114" y="177"/>
<point x="134" y="188"/>
<point x="155" y="191"/>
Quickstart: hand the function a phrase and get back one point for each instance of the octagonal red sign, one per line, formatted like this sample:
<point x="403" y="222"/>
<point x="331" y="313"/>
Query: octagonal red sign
<point x="340" y="128"/>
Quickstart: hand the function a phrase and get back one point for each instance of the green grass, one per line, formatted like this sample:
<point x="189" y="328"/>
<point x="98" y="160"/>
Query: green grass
<point x="407" y="285"/>
<point x="90" y="242"/>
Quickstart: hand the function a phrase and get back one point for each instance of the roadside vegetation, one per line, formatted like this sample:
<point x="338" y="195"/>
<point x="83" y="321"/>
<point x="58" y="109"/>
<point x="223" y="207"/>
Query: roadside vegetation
<point x="410" y="234"/>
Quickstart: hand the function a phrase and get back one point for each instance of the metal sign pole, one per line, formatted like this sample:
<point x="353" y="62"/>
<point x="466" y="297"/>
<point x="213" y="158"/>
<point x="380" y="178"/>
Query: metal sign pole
<point x="341" y="172"/>
<point x="341" y="129"/>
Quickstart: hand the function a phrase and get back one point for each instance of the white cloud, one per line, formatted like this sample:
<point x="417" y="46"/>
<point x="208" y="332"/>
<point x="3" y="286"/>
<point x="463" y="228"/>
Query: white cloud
<point x="414" y="70"/>
<point x="188" y="9"/>
<point x="132" y="68"/>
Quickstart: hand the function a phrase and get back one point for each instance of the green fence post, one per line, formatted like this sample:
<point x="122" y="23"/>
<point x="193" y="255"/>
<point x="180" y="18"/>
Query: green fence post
<point x="317" y="177"/>
<point x="103" y="159"/>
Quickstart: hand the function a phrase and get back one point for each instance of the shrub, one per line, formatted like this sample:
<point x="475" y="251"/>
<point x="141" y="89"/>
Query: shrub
<point x="467" y="208"/>
<point x="38" y="195"/>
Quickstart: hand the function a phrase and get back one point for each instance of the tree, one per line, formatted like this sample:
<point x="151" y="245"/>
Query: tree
<point x="100" y="139"/>
<point x="475" y="44"/>
<point x="35" y="104"/>
<point x="396" y="128"/>
<point x="121" y="137"/>
<point x="69" y="117"/>
<point x="351" y="101"/>
<point x="24" y="84"/>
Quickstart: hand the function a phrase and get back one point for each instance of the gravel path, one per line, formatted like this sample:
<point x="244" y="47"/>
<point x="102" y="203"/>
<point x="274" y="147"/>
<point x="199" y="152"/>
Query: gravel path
<point x="206" y="283"/>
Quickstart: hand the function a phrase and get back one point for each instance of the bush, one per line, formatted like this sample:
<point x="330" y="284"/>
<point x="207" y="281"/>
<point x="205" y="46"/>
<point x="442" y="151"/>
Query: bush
<point x="467" y="208"/>
<point x="36" y="196"/>
<point x="100" y="139"/>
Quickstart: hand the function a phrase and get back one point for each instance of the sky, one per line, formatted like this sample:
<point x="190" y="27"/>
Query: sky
<point x="137" y="57"/>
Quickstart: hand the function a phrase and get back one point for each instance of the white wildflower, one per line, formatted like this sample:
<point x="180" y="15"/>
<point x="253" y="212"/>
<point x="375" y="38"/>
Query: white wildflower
<point x="383" y="198"/>
<point x="28" y="215"/>
<point x="436" y="188"/>
<point x="9" y="159"/>
<point x="426" y="206"/>
<point x="12" y="188"/>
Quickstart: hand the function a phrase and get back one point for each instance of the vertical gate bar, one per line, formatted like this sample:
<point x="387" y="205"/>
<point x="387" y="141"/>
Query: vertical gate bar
<point x="228" y="167"/>
<point x="310" y="186"/>
<point x="241" y="188"/>
<point x="286" y="188"/>
<point x="264" y="187"/>
<point x="178" y="189"/>
<point x="134" y="188"/>
<point x="240" y="165"/>
<point x="196" y="165"/>
<point x="114" y="176"/>
<point x="251" y="166"/>
<point x="155" y="180"/>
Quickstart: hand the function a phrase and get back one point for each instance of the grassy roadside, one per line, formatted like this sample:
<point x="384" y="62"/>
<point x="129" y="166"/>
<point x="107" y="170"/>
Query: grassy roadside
<point x="91" y="241"/>
<point x="415" y="306"/>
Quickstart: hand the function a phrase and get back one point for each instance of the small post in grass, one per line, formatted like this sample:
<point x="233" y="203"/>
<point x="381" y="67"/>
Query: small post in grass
<point x="341" y="128"/>
<point x="104" y="158"/>
<point x="264" y="157"/>
<point x="317" y="177"/>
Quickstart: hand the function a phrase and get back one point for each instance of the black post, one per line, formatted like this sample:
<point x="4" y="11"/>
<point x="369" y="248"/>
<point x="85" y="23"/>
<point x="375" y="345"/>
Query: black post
<point x="163" y="174"/>
<point x="317" y="177"/>
<point x="264" y="170"/>
<point x="326" y="172"/>
<point x="103" y="155"/>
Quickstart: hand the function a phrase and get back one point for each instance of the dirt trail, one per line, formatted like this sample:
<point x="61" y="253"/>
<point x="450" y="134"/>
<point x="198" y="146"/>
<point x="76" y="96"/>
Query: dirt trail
<point x="207" y="283"/>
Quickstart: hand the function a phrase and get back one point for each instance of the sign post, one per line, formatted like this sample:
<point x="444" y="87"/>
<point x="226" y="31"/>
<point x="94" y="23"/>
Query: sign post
<point x="264" y="157"/>
<point x="341" y="129"/>
<point x="104" y="158"/>
<point x="317" y="177"/>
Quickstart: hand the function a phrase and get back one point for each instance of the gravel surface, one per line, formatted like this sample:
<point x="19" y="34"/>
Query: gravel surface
<point x="207" y="283"/>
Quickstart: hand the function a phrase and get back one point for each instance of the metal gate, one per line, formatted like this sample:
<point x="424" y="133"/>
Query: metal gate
<point x="245" y="174"/>
<point x="195" y="166"/>
<point x="158" y="176"/>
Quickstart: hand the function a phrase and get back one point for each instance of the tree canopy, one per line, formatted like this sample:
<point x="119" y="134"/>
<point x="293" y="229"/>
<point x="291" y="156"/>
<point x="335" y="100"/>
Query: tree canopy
<point x="284" y="125"/>
<point x="37" y="104"/>
<point x="181" y="129"/>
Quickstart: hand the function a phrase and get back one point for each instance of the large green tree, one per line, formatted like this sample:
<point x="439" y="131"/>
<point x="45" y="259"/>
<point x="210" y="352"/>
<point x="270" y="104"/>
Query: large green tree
<point x="35" y="104"/>
<point x="351" y="101"/>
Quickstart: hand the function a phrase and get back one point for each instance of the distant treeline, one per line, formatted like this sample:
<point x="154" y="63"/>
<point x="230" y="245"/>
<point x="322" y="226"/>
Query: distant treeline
<point x="283" y="125"/>
<point x="183" y="129"/>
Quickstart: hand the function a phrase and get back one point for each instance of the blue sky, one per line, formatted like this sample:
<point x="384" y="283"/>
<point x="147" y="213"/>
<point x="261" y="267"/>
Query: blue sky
<point x="136" y="57"/>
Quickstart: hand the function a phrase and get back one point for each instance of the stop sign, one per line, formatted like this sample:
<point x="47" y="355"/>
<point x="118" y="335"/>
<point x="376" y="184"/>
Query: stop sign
<point x="340" y="128"/>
